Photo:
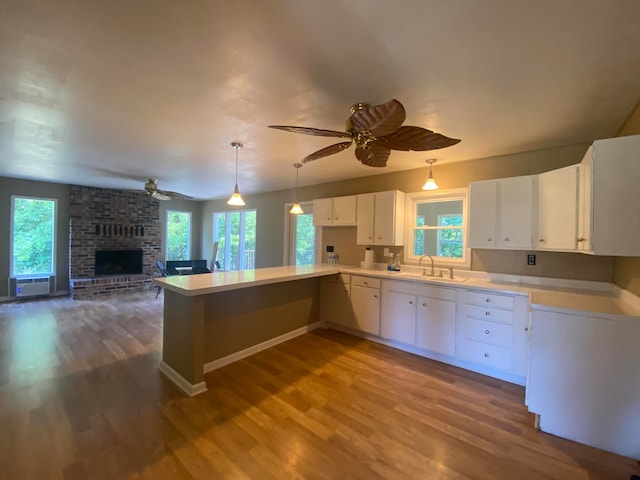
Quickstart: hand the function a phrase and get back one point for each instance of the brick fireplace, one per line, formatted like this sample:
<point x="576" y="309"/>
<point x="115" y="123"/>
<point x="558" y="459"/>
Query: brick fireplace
<point x="106" y="219"/>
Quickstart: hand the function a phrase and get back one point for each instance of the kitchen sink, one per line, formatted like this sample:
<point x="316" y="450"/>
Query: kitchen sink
<point x="426" y="278"/>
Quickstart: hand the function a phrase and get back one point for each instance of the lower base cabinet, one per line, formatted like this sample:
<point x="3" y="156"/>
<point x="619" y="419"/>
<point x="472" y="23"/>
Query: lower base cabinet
<point x="436" y="329"/>
<point x="365" y="302"/>
<point x="338" y="303"/>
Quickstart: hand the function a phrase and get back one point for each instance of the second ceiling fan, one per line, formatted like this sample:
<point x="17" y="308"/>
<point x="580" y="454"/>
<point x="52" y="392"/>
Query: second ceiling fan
<point x="375" y="130"/>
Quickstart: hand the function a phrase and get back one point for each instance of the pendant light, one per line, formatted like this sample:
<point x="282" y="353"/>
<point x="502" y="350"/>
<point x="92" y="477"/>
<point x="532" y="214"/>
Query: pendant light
<point x="430" y="184"/>
<point x="296" y="209"/>
<point x="236" y="199"/>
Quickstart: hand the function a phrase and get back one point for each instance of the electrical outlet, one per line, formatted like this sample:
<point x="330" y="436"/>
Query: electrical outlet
<point x="386" y="252"/>
<point x="531" y="259"/>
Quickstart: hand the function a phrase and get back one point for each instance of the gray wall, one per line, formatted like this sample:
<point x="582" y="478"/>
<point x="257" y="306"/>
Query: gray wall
<point x="29" y="188"/>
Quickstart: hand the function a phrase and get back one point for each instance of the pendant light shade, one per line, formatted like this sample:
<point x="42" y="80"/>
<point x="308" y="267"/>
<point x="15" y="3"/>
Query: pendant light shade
<point x="236" y="198"/>
<point x="430" y="184"/>
<point x="296" y="209"/>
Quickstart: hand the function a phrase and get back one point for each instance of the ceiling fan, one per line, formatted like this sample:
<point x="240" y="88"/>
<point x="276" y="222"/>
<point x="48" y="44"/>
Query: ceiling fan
<point x="151" y="189"/>
<point x="375" y="130"/>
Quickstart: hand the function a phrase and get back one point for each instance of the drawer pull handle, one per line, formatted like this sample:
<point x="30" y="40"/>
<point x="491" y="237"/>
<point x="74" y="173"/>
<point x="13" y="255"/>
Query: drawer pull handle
<point x="486" y="332"/>
<point x="488" y="314"/>
<point x="488" y="300"/>
<point x="486" y="355"/>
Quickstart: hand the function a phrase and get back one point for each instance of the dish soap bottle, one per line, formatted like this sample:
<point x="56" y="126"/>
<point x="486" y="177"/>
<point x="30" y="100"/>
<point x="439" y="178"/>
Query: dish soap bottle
<point x="396" y="265"/>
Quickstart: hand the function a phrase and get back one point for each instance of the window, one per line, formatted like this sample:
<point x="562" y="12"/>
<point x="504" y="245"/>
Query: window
<point x="300" y="248"/>
<point x="178" y="235"/>
<point x="437" y="227"/>
<point x="235" y="233"/>
<point x="33" y="233"/>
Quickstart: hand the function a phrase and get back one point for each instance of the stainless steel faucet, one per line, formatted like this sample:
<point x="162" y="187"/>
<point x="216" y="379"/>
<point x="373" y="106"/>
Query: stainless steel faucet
<point x="424" y="271"/>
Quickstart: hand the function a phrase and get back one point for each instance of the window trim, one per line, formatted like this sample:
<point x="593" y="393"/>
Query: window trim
<point x="166" y="233"/>
<point x="54" y="235"/>
<point x="437" y="196"/>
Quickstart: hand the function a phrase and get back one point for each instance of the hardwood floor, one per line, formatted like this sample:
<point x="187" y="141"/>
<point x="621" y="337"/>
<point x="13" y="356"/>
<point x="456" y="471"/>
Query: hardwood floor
<point x="81" y="398"/>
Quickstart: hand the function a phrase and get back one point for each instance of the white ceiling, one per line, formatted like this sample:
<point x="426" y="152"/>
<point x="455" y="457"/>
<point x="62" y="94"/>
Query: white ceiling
<point x="107" y="93"/>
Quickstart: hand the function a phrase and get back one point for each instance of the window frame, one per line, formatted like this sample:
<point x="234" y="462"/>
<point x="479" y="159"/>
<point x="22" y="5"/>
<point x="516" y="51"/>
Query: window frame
<point x="290" y="224"/>
<point x="242" y="236"/>
<point x="189" y="231"/>
<point x="415" y="198"/>
<point x="54" y="236"/>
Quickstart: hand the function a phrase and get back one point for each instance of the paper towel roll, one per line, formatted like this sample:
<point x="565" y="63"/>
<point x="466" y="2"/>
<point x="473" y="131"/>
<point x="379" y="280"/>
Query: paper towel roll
<point x="368" y="259"/>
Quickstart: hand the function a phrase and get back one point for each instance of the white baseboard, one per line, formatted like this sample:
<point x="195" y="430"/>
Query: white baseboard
<point x="188" y="388"/>
<point x="221" y="362"/>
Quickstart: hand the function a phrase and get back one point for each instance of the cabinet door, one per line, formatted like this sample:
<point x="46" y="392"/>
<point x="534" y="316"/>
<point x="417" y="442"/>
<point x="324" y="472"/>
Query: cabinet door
<point x="482" y="214"/>
<point x="338" y="305"/>
<point x="585" y="208"/>
<point x="384" y="218"/>
<point x="365" y="302"/>
<point x="365" y="205"/>
<point x="398" y="317"/>
<point x="436" y="321"/>
<point x="322" y="211"/>
<point x="344" y="210"/>
<point x="514" y="216"/>
<point x="558" y="209"/>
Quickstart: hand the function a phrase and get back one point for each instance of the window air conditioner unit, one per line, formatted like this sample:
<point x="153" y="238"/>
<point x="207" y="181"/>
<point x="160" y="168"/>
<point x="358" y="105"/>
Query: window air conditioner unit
<point x="25" y="287"/>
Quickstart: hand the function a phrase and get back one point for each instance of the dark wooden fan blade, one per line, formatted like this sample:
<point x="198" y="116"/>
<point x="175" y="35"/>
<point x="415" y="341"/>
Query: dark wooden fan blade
<point x="326" y="151"/>
<point x="417" y="139"/>
<point x="170" y="195"/>
<point x="373" y="155"/>
<point x="380" y="120"/>
<point x="318" y="132"/>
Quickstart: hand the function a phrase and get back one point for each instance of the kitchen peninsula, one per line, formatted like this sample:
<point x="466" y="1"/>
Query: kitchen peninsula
<point x="214" y="319"/>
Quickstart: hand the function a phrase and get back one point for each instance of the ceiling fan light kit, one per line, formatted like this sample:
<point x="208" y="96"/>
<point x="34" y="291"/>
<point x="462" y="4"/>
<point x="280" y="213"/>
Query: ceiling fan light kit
<point x="430" y="184"/>
<point x="236" y="199"/>
<point x="375" y="131"/>
<point x="296" y="209"/>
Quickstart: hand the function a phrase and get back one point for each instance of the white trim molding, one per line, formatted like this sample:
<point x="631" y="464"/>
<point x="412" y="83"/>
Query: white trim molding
<point x="182" y="383"/>
<point x="247" y="352"/>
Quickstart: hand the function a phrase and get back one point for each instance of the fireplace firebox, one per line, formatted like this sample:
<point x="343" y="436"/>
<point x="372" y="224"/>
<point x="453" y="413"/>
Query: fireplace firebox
<point x="118" y="262"/>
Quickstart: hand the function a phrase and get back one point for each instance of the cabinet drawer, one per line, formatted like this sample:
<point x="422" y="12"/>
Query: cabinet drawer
<point x="343" y="278"/>
<point x="488" y="332"/>
<point x="365" y="281"/>
<point x="420" y="289"/>
<point x="489" y="299"/>
<point x="488" y="355"/>
<point x="491" y="314"/>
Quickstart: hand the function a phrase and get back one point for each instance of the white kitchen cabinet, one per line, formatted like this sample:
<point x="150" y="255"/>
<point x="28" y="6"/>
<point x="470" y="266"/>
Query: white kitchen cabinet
<point x="584" y="380"/>
<point x="436" y="325"/>
<point x="558" y="209"/>
<point x="501" y="213"/>
<point x="380" y="218"/>
<point x="609" y="223"/>
<point x="365" y="303"/>
<point x="334" y="211"/>
<point x="398" y="316"/>
<point x="337" y="301"/>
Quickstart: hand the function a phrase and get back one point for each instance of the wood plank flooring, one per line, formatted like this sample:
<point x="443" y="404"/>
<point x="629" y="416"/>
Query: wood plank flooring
<point x="81" y="398"/>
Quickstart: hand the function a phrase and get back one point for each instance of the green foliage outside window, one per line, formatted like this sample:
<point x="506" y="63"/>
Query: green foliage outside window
<point x="305" y="240"/>
<point x="235" y="237"/>
<point x="178" y="235"/>
<point x="33" y="236"/>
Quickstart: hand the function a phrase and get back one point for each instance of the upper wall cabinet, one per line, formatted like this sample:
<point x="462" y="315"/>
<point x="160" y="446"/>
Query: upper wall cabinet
<point x="381" y="218"/>
<point x="558" y="209"/>
<point x="334" y="211"/>
<point x="502" y="213"/>
<point x="609" y="219"/>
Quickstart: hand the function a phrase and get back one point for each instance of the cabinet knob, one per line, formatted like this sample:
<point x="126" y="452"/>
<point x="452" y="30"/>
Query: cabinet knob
<point x="486" y="332"/>
<point x="410" y="302"/>
<point x="488" y="300"/>
<point x="580" y="239"/>
<point x="541" y="240"/>
<point x="506" y="239"/>
<point x="488" y="314"/>
<point x="486" y="355"/>
<point x="424" y="304"/>
<point x="375" y="296"/>
<point x="335" y="218"/>
<point x="369" y="237"/>
<point x="489" y="239"/>
<point x="526" y="329"/>
<point x="366" y="283"/>
<point x="379" y="238"/>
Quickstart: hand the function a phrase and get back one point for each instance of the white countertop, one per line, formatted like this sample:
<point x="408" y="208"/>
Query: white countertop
<point x="596" y="297"/>
<point x="203" y="283"/>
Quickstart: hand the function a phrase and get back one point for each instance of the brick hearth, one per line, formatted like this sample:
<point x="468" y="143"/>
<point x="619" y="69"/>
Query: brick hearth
<point x="105" y="219"/>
